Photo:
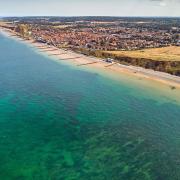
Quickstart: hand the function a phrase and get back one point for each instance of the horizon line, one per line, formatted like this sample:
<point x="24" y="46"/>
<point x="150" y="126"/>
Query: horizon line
<point x="87" y="16"/>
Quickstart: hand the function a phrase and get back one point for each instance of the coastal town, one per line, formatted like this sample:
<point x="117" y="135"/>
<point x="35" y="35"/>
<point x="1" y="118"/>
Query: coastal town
<point x="95" y="34"/>
<point x="150" y="43"/>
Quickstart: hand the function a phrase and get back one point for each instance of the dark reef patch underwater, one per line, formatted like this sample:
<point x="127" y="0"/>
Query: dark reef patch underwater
<point x="61" y="123"/>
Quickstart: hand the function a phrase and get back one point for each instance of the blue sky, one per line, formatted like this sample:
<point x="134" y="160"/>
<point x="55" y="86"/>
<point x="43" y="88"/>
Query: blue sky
<point x="90" y="7"/>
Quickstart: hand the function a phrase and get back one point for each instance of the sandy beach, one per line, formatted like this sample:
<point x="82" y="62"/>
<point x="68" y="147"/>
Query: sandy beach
<point x="115" y="68"/>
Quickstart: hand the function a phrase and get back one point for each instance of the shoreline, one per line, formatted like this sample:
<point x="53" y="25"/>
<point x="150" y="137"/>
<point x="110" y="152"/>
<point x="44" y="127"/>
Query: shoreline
<point x="93" y="62"/>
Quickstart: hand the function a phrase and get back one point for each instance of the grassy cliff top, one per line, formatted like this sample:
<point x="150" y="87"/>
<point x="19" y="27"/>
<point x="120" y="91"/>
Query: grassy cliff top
<point x="171" y="53"/>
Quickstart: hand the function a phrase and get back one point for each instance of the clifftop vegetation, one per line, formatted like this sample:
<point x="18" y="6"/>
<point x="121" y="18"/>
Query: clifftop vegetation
<point x="166" y="59"/>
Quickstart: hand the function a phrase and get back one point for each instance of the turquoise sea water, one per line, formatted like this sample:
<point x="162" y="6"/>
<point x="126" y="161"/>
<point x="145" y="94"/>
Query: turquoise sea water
<point x="58" y="122"/>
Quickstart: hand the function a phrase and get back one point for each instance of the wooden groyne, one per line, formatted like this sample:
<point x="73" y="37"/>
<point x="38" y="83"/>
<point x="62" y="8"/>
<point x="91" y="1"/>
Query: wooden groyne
<point x="44" y="51"/>
<point x="69" y="58"/>
<point x="111" y="64"/>
<point x="14" y="35"/>
<point x="48" y="50"/>
<point x="21" y="40"/>
<point x="45" y="48"/>
<point x="54" y="54"/>
<point x="84" y="64"/>
<point x="52" y="50"/>
<point x="62" y="53"/>
<point x="40" y="47"/>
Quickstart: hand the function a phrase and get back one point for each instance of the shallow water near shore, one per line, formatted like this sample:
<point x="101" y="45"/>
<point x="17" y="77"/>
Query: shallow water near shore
<point x="62" y="122"/>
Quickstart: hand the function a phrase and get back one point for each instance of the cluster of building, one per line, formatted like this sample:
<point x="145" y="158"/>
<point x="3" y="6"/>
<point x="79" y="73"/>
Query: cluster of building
<point x="102" y="37"/>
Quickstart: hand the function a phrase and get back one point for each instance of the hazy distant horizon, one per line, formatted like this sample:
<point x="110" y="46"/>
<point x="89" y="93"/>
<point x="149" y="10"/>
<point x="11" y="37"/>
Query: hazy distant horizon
<point x="26" y="16"/>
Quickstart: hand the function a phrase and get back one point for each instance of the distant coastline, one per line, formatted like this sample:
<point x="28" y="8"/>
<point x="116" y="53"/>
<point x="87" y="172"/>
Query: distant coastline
<point x="82" y="60"/>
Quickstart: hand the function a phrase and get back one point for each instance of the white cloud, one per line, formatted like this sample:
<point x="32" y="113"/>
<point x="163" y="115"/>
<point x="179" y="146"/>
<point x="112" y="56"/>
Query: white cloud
<point x="163" y="3"/>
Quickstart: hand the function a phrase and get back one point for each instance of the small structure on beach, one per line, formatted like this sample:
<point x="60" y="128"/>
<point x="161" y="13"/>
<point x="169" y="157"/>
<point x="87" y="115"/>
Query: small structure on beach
<point x="108" y="60"/>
